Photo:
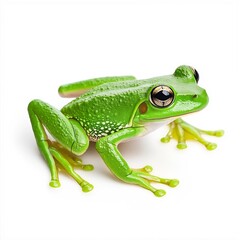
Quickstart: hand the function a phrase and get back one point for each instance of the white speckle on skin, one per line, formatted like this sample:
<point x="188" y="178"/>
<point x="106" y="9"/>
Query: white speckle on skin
<point x="100" y="128"/>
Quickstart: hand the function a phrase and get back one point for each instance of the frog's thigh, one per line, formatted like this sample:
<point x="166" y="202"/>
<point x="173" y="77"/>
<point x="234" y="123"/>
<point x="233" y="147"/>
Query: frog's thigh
<point x="67" y="132"/>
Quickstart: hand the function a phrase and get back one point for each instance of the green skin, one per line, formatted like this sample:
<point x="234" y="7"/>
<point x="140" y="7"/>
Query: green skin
<point x="112" y="110"/>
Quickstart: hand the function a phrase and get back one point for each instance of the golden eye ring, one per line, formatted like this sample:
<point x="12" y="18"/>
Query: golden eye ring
<point x="162" y="96"/>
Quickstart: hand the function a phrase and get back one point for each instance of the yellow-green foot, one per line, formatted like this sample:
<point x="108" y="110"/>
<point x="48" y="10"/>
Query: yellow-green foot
<point x="143" y="178"/>
<point x="182" y="131"/>
<point x="66" y="162"/>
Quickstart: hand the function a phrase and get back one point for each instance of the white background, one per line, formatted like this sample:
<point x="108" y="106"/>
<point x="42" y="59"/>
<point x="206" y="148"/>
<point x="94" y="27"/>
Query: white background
<point x="47" y="43"/>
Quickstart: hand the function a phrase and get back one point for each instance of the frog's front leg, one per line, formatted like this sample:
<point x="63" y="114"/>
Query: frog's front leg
<point x="67" y="132"/>
<point x="107" y="148"/>
<point x="181" y="131"/>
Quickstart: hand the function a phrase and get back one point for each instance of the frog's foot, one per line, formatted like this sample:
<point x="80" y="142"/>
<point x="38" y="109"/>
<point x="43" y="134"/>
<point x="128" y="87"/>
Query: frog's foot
<point x="71" y="158"/>
<point x="143" y="178"/>
<point x="66" y="162"/>
<point x="181" y="131"/>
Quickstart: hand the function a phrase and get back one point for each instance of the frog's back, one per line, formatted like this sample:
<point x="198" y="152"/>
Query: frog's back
<point x="107" y="108"/>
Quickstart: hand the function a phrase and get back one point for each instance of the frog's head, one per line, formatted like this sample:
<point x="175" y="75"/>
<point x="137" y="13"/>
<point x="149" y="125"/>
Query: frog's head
<point x="173" y="95"/>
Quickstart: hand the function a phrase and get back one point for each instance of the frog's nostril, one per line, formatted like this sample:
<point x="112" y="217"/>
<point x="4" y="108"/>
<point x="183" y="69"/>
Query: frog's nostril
<point x="195" y="96"/>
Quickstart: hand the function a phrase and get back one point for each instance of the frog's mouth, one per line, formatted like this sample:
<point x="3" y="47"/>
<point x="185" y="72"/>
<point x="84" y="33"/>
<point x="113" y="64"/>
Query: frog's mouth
<point x="165" y="120"/>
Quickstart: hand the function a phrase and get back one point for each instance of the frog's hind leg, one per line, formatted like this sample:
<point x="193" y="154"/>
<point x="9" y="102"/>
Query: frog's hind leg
<point x="67" y="132"/>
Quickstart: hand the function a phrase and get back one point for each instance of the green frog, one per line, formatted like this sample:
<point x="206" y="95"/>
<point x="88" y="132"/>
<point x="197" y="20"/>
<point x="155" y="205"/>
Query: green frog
<point x="112" y="110"/>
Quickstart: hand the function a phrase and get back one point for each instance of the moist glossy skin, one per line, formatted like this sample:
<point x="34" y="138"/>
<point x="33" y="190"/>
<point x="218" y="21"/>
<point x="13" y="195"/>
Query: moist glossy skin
<point x="113" y="106"/>
<point x="111" y="110"/>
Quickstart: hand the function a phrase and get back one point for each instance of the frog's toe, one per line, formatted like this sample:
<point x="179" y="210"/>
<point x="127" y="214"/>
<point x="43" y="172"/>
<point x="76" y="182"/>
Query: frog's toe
<point x="78" y="163"/>
<point x="211" y="146"/>
<point x="159" y="193"/>
<point x="173" y="183"/>
<point x="165" y="139"/>
<point x="54" y="183"/>
<point x="88" y="167"/>
<point x="181" y="145"/>
<point x="219" y="133"/>
<point x="86" y="187"/>
<point x="148" y="169"/>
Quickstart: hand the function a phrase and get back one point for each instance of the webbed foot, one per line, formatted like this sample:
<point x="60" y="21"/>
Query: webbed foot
<point x="182" y="131"/>
<point x="66" y="161"/>
<point x="144" y="179"/>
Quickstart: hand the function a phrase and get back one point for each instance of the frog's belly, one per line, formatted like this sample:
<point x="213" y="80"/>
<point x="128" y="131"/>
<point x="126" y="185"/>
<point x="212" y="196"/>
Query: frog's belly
<point x="152" y="126"/>
<point x="148" y="127"/>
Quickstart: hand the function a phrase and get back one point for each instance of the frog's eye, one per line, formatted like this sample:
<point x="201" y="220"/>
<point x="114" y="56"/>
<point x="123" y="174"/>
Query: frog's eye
<point x="195" y="73"/>
<point x="162" y="96"/>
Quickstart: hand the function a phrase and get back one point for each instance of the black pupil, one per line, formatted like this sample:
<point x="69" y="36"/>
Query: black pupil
<point x="163" y="95"/>
<point x="196" y="75"/>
